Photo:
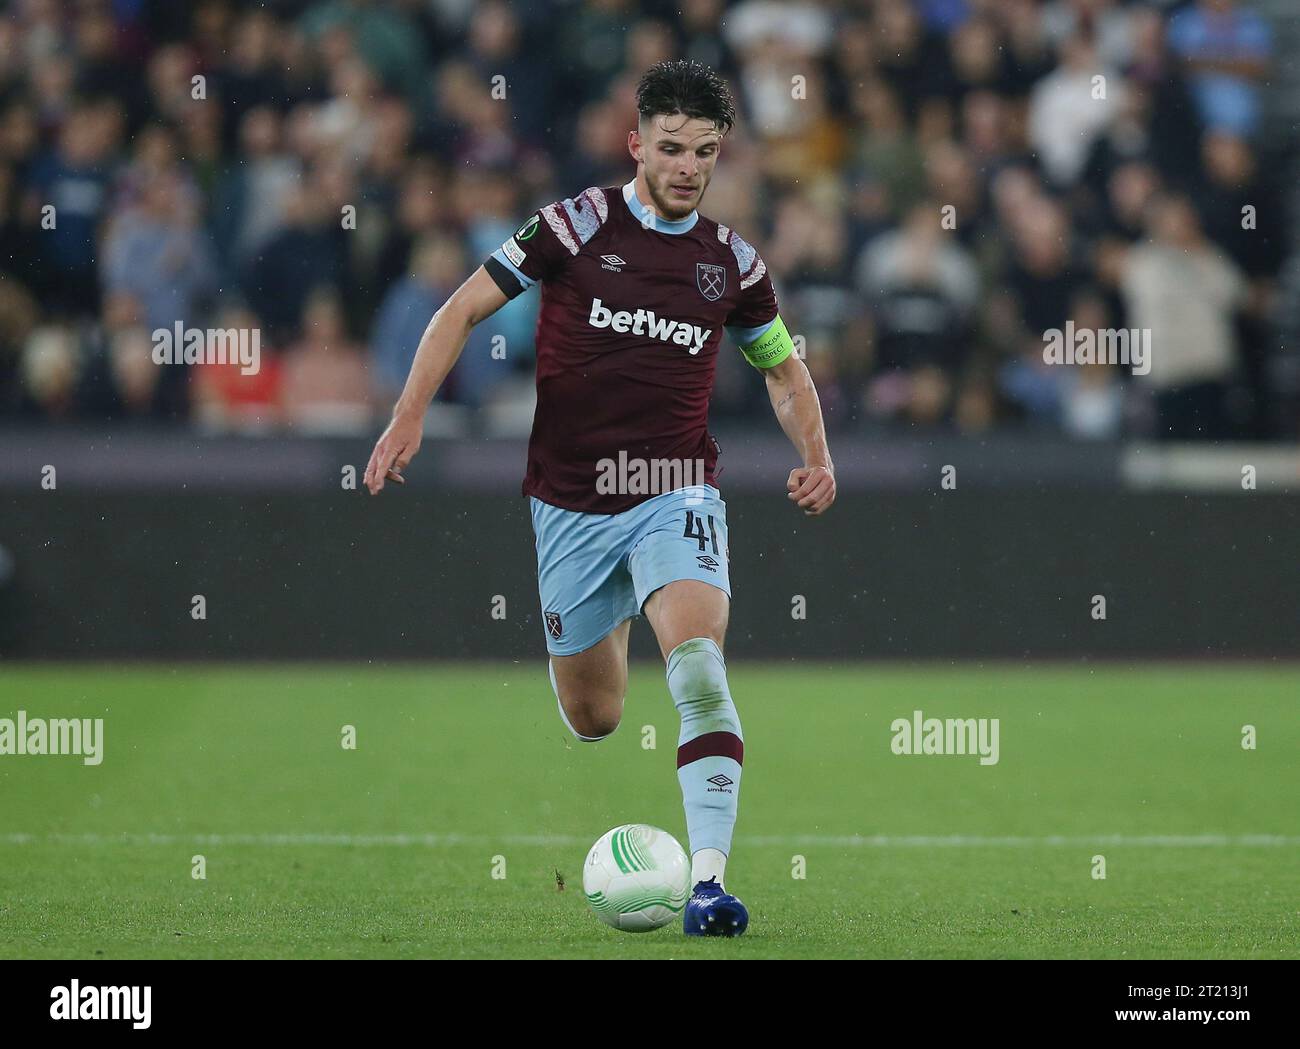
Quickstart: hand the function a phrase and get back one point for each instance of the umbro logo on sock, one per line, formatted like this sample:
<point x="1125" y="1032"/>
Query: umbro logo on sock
<point x="720" y="782"/>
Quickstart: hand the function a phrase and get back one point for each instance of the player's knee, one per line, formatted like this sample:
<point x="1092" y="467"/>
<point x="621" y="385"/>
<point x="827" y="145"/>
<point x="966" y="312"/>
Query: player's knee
<point x="590" y="705"/>
<point x="592" y="722"/>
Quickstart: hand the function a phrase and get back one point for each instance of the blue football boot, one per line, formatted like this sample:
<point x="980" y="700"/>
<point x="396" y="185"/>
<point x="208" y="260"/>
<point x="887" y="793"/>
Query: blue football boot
<point x="712" y="912"/>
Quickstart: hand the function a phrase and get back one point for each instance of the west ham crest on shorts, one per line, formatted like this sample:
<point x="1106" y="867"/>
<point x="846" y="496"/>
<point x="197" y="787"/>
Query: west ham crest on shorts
<point x="711" y="280"/>
<point x="553" y="625"/>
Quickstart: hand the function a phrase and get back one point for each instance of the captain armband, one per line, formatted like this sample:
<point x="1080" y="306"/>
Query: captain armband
<point x="770" y="348"/>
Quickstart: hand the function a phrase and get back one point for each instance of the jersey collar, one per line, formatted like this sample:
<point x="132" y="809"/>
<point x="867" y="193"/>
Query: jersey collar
<point x="650" y="220"/>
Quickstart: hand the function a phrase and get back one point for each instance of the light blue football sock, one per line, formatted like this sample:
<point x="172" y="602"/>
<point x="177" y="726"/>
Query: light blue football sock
<point x="710" y="749"/>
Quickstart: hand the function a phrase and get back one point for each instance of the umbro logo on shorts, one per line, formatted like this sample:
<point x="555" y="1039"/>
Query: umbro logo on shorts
<point x="553" y="625"/>
<point x="707" y="562"/>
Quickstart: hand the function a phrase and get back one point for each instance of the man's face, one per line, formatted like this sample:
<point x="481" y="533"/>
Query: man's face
<point x="678" y="154"/>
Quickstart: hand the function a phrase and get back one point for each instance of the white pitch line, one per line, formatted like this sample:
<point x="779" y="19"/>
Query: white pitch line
<point x="875" y="841"/>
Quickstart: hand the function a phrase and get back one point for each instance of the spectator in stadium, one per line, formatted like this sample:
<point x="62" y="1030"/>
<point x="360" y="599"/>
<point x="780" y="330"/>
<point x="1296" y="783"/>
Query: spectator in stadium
<point x="119" y="378"/>
<point x="74" y="180"/>
<point x="1043" y="271"/>
<point x="1028" y="46"/>
<point x="978" y="58"/>
<point x="1161" y="112"/>
<point x="157" y="250"/>
<point x="344" y="126"/>
<point x="421" y="208"/>
<point x="135" y="377"/>
<point x="599" y="159"/>
<point x="911" y="58"/>
<point x="922" y="287"/>
<point x="246" y="78"/>
<point x="170" y="79"/>
<point x="779" y="49"/>
<point x="950" y="178"/>
<point x="884" y="146"/>
<point x="155" y="153"/>
<point x="986" y="121"/>
<point x="51" y="367"/>
<point x="1246" y="217"/>
<point x="1118" y="223"/>
<point x="226" y="399"/>
<point x="101" y="68"/>
<point x="1242" y="213"/>
<point x="1185" y="292"/>
<point x="325" y="385"/>
<point x="810" y="247"/>
<point x="311" y="249"/>
<point x="250" y="199"/>
<point x="1085" y="401"/>
<point x="1071" y="108"/>
<point x="1107" y="22"/>
<point x="497" y="49"/>
<point x="383" y="35"/>
<point x="437" y="268"/>
<point x="19" y="314"/>
<point x="1226" y="51"/>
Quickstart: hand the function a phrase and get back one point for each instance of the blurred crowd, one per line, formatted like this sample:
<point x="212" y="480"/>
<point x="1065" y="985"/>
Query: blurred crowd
<point x="934" y="185"/>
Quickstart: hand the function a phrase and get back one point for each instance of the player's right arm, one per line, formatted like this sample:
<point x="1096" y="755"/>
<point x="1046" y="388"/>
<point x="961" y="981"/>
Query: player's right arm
<point x="440" y="346"/>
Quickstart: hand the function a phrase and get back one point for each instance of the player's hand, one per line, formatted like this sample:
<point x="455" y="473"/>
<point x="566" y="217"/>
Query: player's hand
<point x="395" y="448"/>
<point x="812" y="488"/>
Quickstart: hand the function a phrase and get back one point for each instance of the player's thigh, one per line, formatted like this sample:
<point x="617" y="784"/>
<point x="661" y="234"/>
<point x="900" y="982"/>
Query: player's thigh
<point x="596" y="677"/>
<point x="585" y="590"/>
<point x="680" y="567"/>
<point x="687" y="608"/>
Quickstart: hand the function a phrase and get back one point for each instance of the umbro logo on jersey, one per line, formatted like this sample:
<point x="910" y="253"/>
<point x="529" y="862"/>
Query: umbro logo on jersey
<point x="612" y="262"/>
<point x="647" y="322"/>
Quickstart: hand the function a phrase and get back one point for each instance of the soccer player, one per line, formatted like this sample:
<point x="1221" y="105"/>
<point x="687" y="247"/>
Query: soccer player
<point x="636" y="289"/>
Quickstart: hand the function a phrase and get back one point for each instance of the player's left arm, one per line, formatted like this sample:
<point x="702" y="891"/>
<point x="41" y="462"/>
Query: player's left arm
<point x="756" y="326"/>
<point x="794" y="399"/>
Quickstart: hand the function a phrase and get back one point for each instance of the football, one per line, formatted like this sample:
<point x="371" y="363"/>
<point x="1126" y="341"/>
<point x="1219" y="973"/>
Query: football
<point x="637" y="878"/>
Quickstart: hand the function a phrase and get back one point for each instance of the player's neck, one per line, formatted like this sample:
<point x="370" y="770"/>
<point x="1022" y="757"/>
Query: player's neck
<point x="640" y="203"/>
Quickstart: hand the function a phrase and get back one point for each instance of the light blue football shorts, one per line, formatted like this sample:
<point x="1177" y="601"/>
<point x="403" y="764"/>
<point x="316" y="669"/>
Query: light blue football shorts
<point x="596" y="570"/>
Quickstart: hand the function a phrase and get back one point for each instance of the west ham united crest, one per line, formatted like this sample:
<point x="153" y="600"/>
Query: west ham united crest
<point x="553" y="625"/>
<point x="711" y="280"/>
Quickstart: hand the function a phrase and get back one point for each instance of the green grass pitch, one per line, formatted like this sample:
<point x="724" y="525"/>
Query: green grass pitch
<point x="388" y="850"/>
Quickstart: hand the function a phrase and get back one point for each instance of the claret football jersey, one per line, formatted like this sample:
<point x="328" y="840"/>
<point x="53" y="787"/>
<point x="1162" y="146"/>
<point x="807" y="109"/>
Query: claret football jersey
<point x="633" y="309"/>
